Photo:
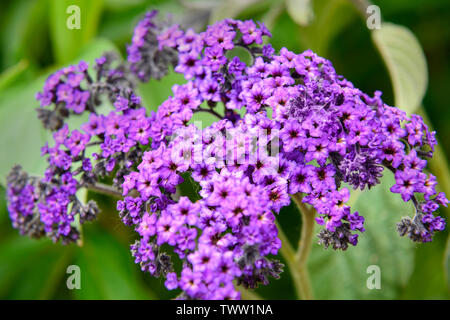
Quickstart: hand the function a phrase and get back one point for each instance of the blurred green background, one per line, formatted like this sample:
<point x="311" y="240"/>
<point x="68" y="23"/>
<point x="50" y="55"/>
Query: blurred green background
<point x="35" y="41"/>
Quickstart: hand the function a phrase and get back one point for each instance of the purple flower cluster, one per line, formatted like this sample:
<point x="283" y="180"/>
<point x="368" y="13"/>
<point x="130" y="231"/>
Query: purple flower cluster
<point x="146" y="58"/>
<point x="287" y="125"/>
<point x="74" y="90"/>
<point x="48" y="205"/>
<point x="64" y="86"/>
<point x="225" y="235"/>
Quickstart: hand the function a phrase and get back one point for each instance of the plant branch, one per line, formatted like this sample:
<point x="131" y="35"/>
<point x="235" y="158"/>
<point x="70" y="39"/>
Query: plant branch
<point x="105" y="189"/>
<point x="296" y="261"/>
<point x="288" y="254"/>
<point x="211" y="111"/>
<point x="304" y="246"/>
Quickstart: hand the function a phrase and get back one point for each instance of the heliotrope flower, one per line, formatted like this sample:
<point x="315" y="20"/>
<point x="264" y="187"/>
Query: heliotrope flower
<point x="302" y="131"/>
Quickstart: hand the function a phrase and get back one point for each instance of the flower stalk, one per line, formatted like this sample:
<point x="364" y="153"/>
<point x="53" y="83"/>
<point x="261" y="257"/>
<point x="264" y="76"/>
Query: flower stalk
<point x="105" y="189"/>
<point x="304" y="247"/>
<point x="297" y="260"/>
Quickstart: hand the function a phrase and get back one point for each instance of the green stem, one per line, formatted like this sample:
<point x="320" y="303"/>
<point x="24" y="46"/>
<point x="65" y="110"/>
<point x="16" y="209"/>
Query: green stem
<point x="288" y="254"/>
<point x="304" y="246"/>
<point x="211" y="111"/>
<point x="296" y="261"/>
<point x="105" y="189"/>
<point x="79" y="227"/>
<point x="82" y="197"/>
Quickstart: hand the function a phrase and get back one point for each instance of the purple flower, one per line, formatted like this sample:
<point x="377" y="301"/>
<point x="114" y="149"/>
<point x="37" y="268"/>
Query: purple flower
<point x="191" y="282"/>
<point x="147" y="227"/>
<point x="189" y="65"/>
<point x="121" y="103"/>
<point x="236" y="66"/>
<point x="146" y="184"/>
<point x="77" y="142"/>
<point x="172" y="281"/>
<point x="186" y="240"/>
<point x="166" y="228"/>
<point x="94" y="126"/>
<point x="140" y="131"/>
<point x="205" y="258"/>
<point x="185" y="211"/>
<point x="292" y="135"/>
<point x="220" y="35"/>
<point x="214" y="58"/>
<point x="392" y="152"/>
<point x="250" y="33"/>
<point x="203" y="172"/>
<point x="300" y="180"/>
<point x="405" y="184"/>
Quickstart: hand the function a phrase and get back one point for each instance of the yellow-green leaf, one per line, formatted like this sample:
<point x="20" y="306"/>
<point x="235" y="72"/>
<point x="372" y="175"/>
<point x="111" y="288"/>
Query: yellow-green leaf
<point x="406" y="63"/>
<point x="344" y="275"/>
<point x="301" y="11"/>
<point x="67" y="41"/>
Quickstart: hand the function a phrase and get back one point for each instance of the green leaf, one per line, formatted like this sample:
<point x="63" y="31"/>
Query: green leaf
<point x="11" y="74"/>
<point x="229" y="9"/>
<point x="301" y="11"/>
<point x="107" y="270"/>
<point x="118" y="25"/>
<point x="428" y="280"/>
<point x="41" y="279"/>
<point x="22" y="15"/>
<point x="243" y="54"/>
<point x="189" y="188"/>
<point x="3" y="208"/>
<point x="447" y="263"/>
<point x="155" y="92"/>
<point x="21" y="133"/>
<point x="331" y="17"/>
<point x="94" y="49"/>
<point x="35" y="40"/>
<point x="17" y="256"/>
<point x="68" y="42"/>
<point x="406" y="63"/>
<point x="343" y="275"/>
<point x="203" y="120"/>
<point x="121" y="5"/>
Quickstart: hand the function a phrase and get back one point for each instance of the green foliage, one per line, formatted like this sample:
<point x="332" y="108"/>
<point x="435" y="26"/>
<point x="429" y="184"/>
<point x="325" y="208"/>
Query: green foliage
<point x="406" y="63"/>
<point x="24" y="19"/>
<point x="67" y="42"/>
<point x="331" y="17"/>
<point x="428" y="280"/>
<point x="155" y="92"/>
<point x="15" y="259"/>
<point x="301" y="11"/>
<point x="35" y="41"/>
<point x="22" y="133"/>
<point x="14" y="72"/>
<point x="107" y="270"/>
<point x="233" y="8"/>
<point x="343" y="275"/>
<point x="447" y="263"/>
